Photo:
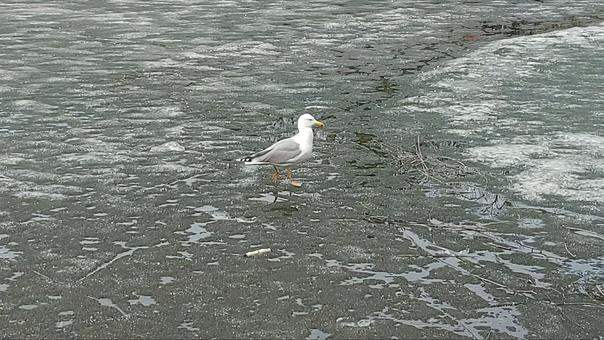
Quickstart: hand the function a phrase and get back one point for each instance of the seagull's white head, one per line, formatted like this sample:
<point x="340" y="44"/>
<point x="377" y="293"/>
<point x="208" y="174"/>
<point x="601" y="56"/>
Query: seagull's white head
<point x="308" y="121"/>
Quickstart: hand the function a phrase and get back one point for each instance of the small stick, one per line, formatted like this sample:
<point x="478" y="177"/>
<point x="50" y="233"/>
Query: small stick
<point x="421" y="157"/>
<point x="600" y="290"/>
<point x="42" y="275"/>
<point x="571" y="254"/>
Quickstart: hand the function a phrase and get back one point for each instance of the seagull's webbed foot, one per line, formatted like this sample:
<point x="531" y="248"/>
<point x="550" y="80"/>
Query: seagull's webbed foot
<point x="293" y="182"/>
<point x="275" y="176"/>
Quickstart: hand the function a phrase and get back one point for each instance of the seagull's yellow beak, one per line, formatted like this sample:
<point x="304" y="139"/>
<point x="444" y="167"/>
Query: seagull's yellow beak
<point x="318" y="124"/>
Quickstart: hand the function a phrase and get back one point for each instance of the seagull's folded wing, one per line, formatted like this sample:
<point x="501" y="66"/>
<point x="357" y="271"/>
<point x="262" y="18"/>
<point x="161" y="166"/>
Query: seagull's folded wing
<point x="282" y="152"/>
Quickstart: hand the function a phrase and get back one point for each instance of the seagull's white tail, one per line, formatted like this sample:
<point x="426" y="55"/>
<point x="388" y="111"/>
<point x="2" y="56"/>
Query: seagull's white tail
<point x="253" y="159"/>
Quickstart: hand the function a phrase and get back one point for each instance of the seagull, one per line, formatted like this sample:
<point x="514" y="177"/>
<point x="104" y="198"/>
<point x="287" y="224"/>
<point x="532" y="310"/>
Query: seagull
<point x="288" y="151"/>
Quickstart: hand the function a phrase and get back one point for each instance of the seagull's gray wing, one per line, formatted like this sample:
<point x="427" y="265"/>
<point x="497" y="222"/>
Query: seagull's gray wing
<point x="282" y="152"/>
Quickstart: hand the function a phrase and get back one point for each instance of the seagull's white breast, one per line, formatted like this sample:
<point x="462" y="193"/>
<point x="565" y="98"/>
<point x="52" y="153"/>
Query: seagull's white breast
<point x="305" y="139"/>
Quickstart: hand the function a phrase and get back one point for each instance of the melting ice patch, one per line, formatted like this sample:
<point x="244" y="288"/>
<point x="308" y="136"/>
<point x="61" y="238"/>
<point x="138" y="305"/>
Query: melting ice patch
<point x="506" y="155"/>
<point x="567" y="165"/>
<point x="196" y="232"/>
<point x="144" y="300"/>
<point x="317" y="334"/>
<point x="8" y="254"/>
<point x="562" y="177"/>
<point x="168" y="147"/>
<point x="537" y="103"/>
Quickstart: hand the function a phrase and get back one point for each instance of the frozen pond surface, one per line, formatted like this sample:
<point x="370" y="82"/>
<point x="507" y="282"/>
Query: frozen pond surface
<point x="456" y="192"/>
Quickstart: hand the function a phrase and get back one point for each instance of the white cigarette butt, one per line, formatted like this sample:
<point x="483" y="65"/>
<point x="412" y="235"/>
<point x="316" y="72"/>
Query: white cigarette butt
<point x="257" y="252"/>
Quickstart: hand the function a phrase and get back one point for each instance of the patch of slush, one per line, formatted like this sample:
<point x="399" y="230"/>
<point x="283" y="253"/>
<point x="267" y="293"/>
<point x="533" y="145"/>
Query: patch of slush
<point x="32" y="105"/>
<point x="168" y="147"/>
<point x="40" y="195"/>
<point x="164" y="280"/>
<point x="317" y="334"/>
<point x="168" y="167"/>
<point x="61" y="324"/>
<point x="7" y="254"/>
<point x="94" y="158"/>
<point x="567" y="165"/>
<point x="10" y="160"/>
<point x="586" y="268"/>
<point x="196" y="232"/>
<point x="144" y="300"/>
<point x="531" y="223"/>
<point x="216" y="213"/>
<point x="559" y="177"/>
<point x="506" y="155"/>
<point x="535" y="101"/>
<point x="28" y="307"/>
<point x="188" y="326"/>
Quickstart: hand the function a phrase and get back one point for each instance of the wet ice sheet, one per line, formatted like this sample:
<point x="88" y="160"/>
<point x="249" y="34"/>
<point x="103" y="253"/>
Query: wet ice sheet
<point x="125" y="213"/>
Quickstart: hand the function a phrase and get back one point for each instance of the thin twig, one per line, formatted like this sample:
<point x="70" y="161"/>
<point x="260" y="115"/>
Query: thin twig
<point x="508" y="304"/>
<point x="42" y="275"/>
<point x="579" y="304"/>
<point x="419" y="153"/>
<point x="600" y="290"/>
<point x="568" y="251"/>
<point x="467" y="329"/>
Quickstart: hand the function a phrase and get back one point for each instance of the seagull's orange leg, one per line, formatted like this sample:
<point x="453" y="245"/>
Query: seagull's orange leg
<point x="275" y="176"/>
<point x="296" y="184"/>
